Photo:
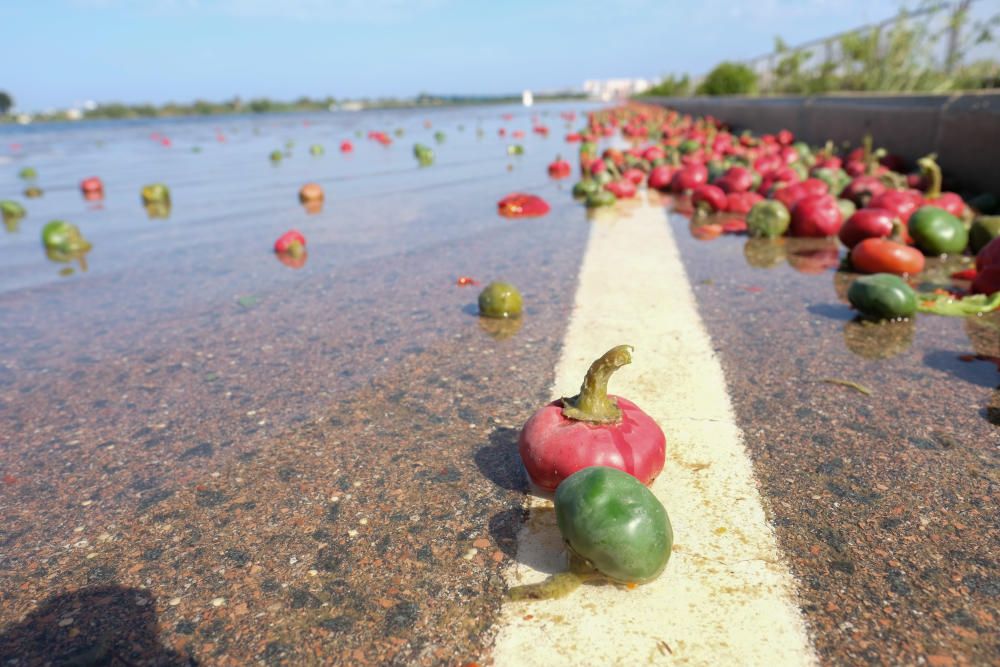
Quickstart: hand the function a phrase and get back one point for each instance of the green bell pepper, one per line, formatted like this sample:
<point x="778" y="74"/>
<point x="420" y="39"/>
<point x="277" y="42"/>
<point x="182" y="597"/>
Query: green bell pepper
<point x="768" y="219"/>
<point x="612" y="521"/>
<point x="882" y="296"/>
<point x="424" y="154"/>
<point x="984" y="229"/>
<point x="64" y="237"/>
<point x="937" y="232"/>
<point x="600" y="198"/>
<point x="156" y="193"/>
<point x="11" y="209"/>
<point x="585" y="188"/>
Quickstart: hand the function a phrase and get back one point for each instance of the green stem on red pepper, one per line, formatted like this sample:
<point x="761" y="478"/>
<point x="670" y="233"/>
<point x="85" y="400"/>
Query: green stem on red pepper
<point x="592" y="404"/>
<point x="932" y="171"/>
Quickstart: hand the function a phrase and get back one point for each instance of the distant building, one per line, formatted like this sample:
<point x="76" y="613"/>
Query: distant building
<point x="615" y="89"/>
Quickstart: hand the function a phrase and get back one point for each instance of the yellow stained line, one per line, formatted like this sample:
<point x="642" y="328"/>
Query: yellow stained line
<point x="726" y="597"/>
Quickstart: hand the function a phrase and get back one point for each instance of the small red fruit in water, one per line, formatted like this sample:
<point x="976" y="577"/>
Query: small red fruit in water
<point x="520" y="205"/>
<point x="560" y="168"/>
<point x="291" y="242"/>
<point x="346" y="147"/>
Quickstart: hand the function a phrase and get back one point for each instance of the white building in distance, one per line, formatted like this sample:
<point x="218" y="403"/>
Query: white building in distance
<point x="615" y="89"/>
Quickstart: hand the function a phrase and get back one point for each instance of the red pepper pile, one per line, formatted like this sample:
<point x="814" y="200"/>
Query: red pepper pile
<point x="888" y="220"/>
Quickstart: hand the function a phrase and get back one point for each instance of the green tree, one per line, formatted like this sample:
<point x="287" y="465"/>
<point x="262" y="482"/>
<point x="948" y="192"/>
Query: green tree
<point x="6" y="102"/>
<point x="671" y="87"/>
<point x="729" y="79"/>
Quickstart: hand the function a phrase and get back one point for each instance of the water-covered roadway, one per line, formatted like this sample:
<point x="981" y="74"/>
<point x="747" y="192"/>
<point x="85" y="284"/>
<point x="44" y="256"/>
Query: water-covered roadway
<point x="208" y="455"/>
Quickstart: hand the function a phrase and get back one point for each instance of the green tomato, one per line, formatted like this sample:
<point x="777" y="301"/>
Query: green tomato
<point x="64" y="237"/>
<point x="937" y="232"/>
<point x="155" y="193"/>
<point x="515" y="149"/>
<point x="984" y="229"/>
<point x="439" y="137"/>
<point x="586" y="187"/>
<point x="316" y="149"/>
<point x="28" y="174"/>
<point x="768" y="219"/>
<point x="500" y="299"/>
<point x="608" y="518"/>
<point x="882" y="296"/>
<point x="588" y="148"/>
<point x="276" y="156"/>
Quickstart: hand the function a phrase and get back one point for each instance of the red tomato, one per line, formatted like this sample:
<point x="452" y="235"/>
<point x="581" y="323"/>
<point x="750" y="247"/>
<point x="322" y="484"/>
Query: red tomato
<point x="880" y="255"/>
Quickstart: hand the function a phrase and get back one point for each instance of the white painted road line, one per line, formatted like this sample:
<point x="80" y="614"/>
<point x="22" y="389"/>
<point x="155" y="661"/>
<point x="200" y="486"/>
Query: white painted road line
<point x="726" y="597"/>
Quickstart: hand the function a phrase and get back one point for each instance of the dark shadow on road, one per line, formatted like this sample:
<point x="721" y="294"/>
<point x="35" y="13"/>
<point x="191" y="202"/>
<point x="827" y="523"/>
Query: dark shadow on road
<point x="979" y="372"/>
<point x="101" y="625"/>
<point x="499" y="461"/>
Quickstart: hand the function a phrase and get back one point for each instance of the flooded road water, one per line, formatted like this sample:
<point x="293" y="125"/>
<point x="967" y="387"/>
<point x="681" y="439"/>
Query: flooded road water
<point x="210" y="455"/>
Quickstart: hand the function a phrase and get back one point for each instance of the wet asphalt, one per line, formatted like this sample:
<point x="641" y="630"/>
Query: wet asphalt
<point x="211" y="457"/>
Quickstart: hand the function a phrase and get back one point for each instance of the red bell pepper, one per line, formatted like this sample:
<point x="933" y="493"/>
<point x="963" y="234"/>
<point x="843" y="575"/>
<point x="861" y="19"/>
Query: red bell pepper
<point x="815" y="186"/>
<point x="816" y="215"/>
<point x="741" y="202"/>
<point x="622" y="188"/>
<point x="653" y="153"/>
<point x="560" y="168"/>
<point x="987" y="279"/>
<point x="709" y="198"/>
<point x="593" y="428"/>
<point x="901" y="203"/>
<point x="863" y="189"/>
<point x="689" y="178"/>
<point x="736" y="179"/>
<point x="92" y="187"/>
<point x="519" y="205"/>
<point x="634" y="174"/>
<point x="790" y="195"/>
<point x="866" y="223"/>
<point x="660" y="177"/>
<point x="291" y="243"/>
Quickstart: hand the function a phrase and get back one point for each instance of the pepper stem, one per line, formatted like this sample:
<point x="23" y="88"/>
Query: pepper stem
<point x="592" y="404"/>
<point x="930" y="169"/>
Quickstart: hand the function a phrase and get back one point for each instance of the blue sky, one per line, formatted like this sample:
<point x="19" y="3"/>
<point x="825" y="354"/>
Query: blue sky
<point x="59" y="52"/>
